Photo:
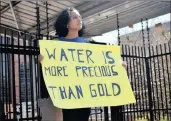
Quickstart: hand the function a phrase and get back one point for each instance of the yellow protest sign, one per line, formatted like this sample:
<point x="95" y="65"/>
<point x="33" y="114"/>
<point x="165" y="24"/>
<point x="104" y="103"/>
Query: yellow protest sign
<point x="79" y="75"/>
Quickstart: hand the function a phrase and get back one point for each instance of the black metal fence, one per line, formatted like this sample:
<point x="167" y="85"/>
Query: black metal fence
<point x="19" y="76"/>
<point x="149" y="70"/>
<point x="21" y="82"/>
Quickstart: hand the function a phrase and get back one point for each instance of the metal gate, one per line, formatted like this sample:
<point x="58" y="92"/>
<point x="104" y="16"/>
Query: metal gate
<point x="19" y="76"/>
<point x="149" y="70"/>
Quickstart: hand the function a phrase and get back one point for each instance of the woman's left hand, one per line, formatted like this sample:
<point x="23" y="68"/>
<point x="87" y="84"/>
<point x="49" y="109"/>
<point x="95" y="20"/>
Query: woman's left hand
<point x="124" y="64"/>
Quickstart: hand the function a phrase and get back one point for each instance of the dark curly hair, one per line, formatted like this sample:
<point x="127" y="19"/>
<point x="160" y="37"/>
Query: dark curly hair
<point x="62" y="22"/>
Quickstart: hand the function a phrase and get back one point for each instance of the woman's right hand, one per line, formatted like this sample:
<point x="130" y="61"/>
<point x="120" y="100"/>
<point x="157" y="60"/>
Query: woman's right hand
<point x="40" y="58"/>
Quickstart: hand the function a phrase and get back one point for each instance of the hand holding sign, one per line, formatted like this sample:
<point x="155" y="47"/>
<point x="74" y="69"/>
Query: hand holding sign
<point x="84" y="75"/>
<point x="124" y="64"/>
<point x="40" y="58"/>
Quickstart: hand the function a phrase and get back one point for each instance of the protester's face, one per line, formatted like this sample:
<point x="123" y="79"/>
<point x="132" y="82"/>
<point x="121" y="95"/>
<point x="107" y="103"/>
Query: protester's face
<point x="75" y="21"/>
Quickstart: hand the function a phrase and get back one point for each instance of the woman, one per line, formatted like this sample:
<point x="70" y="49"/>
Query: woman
<point x="69" y="27"/>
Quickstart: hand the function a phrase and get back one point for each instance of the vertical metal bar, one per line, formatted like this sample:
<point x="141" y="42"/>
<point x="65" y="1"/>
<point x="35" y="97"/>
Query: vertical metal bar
<point x="96" y="113"/>
<point x="36" y="61"/>
<point x="121" y="114"/>
<point x="135" y="83"/>
<point x="2" y="60"/>
<point x="1" y="79"/>
<point x="36" y="73"/>
<point x="124" y="113"/>
<point x="0" y="20"/>
<point x="142" y="30"/>
<point x="169" y="48"/>
<point x="13" y="78"/>
<point x="47" y="19"/>
<point x="106" y="114"/>
<point x="152" y="80"/>
<point x="149" y="88"/>
<point x="0" y="14"/>
<point x="113" y="109"/>
<point x="101" y="116"/>
<point x="145" y="56"/>
<point x="38" y="65"/>
<point x="141" y="84"/>
<point x="0" y="68"/>
<point x="31" y="78"/>
<point x="38" y="80"/>
<point x="148" y="36"/>
<point x="1" y="76"/>
<point x="117" y="16"/>
<point x="167" y="71"/>
<point x="120" y="118"/>
<point x="20" y="90"/>
<point x="159" y="75"/>
<point x="148" y="76"/>
<point x="151" y="76"/>
<point x="38" y="20"/>
<point x="155" y="78"/>
<point x="169" y="44"/>
<point x="98" y="116"/>
<point x="131" y="73"/>
<point x="165" y="95"/>
<point x="25" y="72"/>
<point x="145" y="72"/>
<point x="5" y="71"/>
<point x="114" y="114"/>
<point x="9" y="79"/>
<point x="138" y="85"/>
<point x="144" y="79"/>
<point x="4" y="74"/>
<point x="123" y="50"/>
<point x="125" y="59"/>
<point x="170" y="21"/>
<point x="119" y="42"/>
